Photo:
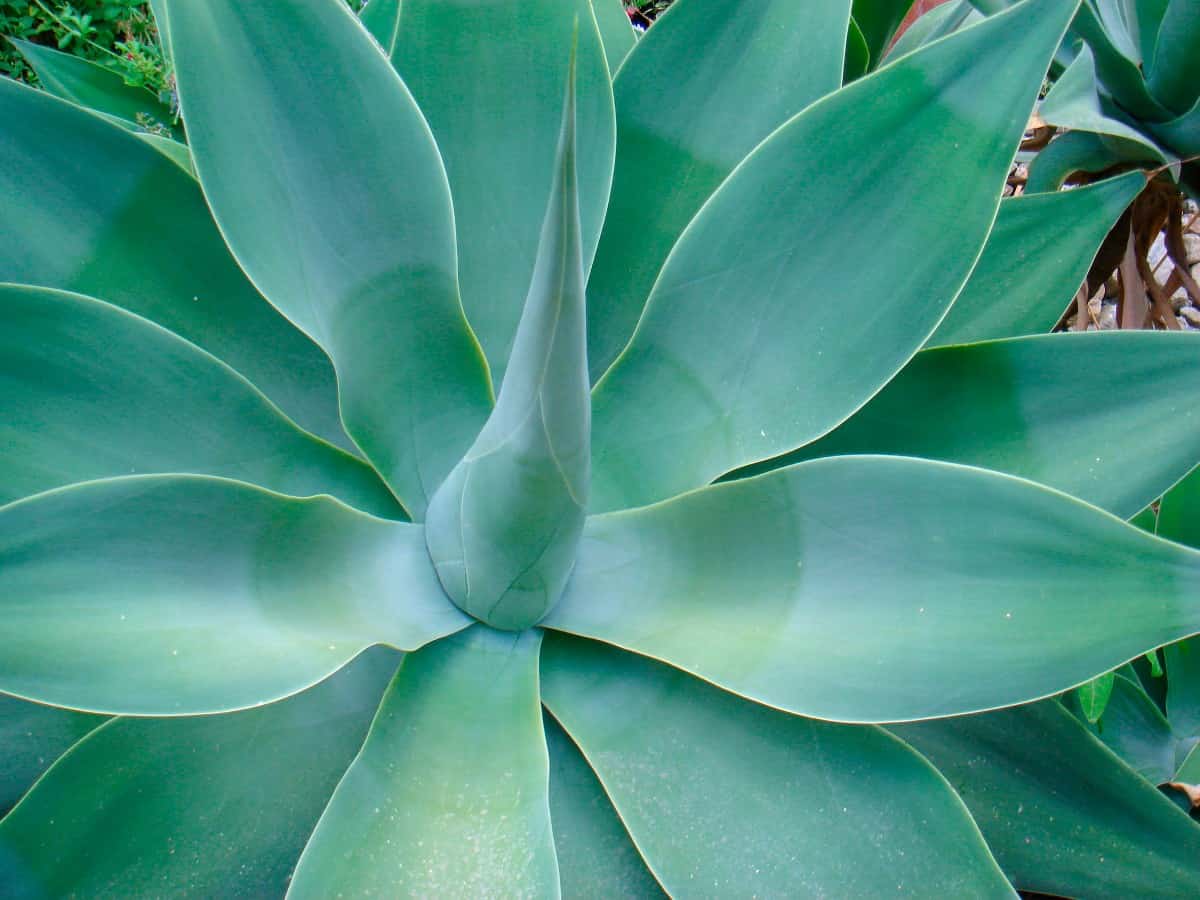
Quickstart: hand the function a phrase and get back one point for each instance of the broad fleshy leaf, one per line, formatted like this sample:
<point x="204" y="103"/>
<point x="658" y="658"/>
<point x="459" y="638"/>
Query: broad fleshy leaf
<point x="1116" y="63"/>
<point x="750" y="314"/>
<point x="1174" y="75"/>
<point x="131" y="228"/>
<point x="833" y="588"/>
<point x="489" y="76"/>
<point x="1183" y="686"/>
<point x="596" y="856"/>
<point x="727" y="797"/>
<point x="1074" y="102"/>
<point x="1135" y="729"/>
<point x="94" y="86"/>
<point x="504" y="526"/>
<point x="938" y="22"/>
<point x="1061" y="812"/>
<point x="616" y="31"/>
<point x="90" y="391"/>
<point x="684" y="120"/>
<point x="1028" y="407"/>
<point x="1080" y="151"/>
<point x="193" y="806"/>
<point x="169" y="595"/>
<point x="1035" y="259"/>
<point x="449" y="793"/>
<point x="328" y="188"/>
<point x="33" y="737"/>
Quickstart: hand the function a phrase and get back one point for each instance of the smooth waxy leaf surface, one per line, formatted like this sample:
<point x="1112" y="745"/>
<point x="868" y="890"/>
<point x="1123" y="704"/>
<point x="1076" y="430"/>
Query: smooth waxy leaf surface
<point x="33" y="737"/>
<point x="833" y="588"/>
<point x="1061" y="812"/>
<point x="1117" y="65"/>
<point x="802" y="808"/>
<point x="684" y="120"/>
<point x="204" y="806"/>
<point x="1074" y="102"/>
<point x="746" y="349"/>
<point x="1028" y="407"/>
<point x="1035" y="259"/>
<point x="596" y="856"/>
<point x="879" y="21"/>
<point x="449" y="793"/>
<point x="1080" y="151"/>
<point x="1179" y="515"/>
<point x="1174" y="75"/>
<point x="504" y="526"/>
<point x="1135" y="729"/>
<point x="91" y="391"/>
<point x="858" y="57"/>
<point x="168" y="595"/>
<point x="92" y="85"/>
<point x="327" y="185"/>
<point x="616" y="30"/>
<point x="117" y="228"/>
<point x="489" y="76"/>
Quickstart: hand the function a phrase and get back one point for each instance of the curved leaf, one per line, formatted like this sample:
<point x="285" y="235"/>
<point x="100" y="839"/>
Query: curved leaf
<point x="1027" y="406"/>
<point x="1079" y="151"/>
<point x="615" y="30"/>
<point x="91" y="391"/>
<point x="205" y="806"/>
<point x="1179" y="514"/>
<point x="1034" y="261"/>
<point x="169" y="595"/>
<point x="489" y="76"/>
<point x="880" y="20"/>
<point x="33" y="737"/>
<point x="685" y="120"/>
<point x="596" y="857"/>
<point x="1074" y="102"/>
<point x="1183" y="686"/>
<point x="94" y="86"/>
<point x="132" y="229"/>
<point x="725" y="797"/>
<point x="748" y="316"/>
<point x="504" y="526"/>
<point x="834" y="588"/>
<point x="858" y="56"/>
<point x="1135" y="729"/>
<point x="1121" y="75"/>
<point x="1061" y="812"/>
<point x="328" y="187"/>
<point x="449" y="793"/>
<point x="1174" y="75"/>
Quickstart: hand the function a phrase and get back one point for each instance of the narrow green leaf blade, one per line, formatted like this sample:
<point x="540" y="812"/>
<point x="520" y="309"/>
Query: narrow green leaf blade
<point x="115" y="228"/>
<point x="749" y="314"/>
<point x="170" y="595"/>
<point x="205" y="806"/>
<point x="1179" y="514"/>
<point x="328" y="187"/>
<point x="1174" y="75"/>
<point x="91" y="391"/>
<point x="1062" y="813"/>
<point x="726" y="797"/>
<point x="1027" y="407"/>
<point x="858" y="56"/>
<point x="94" y="86"/>
<point x="833" y="588"/>
<point x="504" y="526"/>
<point x="33" y="737"/>
<point x="596" y="856"/>
<point x="879" y="21"/>
<point x="685" y="120"/>
<point x="449" y="793"/>
<point x="1035" y="259"/>
<point x="489" y="77"/>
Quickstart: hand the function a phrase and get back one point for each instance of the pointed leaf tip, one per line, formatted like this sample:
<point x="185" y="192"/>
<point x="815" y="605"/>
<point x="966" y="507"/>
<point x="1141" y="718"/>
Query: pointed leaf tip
<point x="503" y="528"/>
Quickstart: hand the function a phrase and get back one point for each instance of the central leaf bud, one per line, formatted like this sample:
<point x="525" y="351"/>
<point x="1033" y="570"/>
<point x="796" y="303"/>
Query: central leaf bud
<point x="504" y="527"/>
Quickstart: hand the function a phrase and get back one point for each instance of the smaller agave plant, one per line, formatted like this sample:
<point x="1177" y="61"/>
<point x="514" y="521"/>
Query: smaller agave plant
<point x="612" y="415"/>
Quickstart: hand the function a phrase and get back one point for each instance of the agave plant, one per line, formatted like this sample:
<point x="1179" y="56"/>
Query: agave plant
<point x="460" y="346"/>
